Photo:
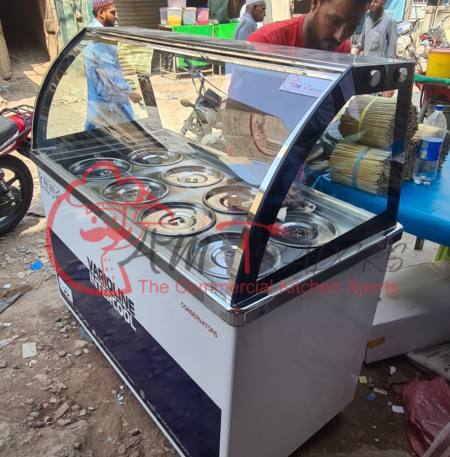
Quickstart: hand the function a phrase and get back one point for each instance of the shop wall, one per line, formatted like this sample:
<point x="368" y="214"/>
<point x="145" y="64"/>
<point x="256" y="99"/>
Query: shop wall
<point x="139" y="13"/>
<point x="281" y="10"/>
<point x="428" y="19"/>
<point x="73" y="16"/>
<point x="396" y="9"/>
<point x="302" y="6"/>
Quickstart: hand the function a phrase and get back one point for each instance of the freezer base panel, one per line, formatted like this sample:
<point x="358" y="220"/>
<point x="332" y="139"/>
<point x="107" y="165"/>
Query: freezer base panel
<point x="298" y="367"/>
<point x="179" y="405"/>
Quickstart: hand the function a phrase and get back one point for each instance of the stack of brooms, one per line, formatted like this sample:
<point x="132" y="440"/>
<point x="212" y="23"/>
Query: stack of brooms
<point x="363" y="159"/>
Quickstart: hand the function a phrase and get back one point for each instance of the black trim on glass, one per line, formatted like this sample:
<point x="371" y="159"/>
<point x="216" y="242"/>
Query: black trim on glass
<point x="257" y="235"/>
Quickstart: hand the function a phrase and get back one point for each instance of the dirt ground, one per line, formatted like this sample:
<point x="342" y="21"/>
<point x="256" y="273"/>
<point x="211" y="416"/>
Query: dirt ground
<point x="63" y="401"/>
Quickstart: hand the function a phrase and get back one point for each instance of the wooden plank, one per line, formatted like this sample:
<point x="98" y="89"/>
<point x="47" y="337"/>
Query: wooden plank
<point x="5" y="63"/>
<point x="70" y="21"/>
<point x="86" y="11"/>
<point x="51" y="27"/>
<point x="61" y="21"/>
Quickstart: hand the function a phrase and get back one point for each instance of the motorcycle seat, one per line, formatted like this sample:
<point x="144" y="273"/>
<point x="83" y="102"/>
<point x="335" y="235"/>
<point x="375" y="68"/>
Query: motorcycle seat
<point x="8" y="128"/>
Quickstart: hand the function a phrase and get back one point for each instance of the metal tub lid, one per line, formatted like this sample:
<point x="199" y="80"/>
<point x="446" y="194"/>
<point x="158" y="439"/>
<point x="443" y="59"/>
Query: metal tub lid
<point x="109" y="165"/>
<point x="192" y="176"/>
<point x="303" y="230"/>
<point x="214" y="255"/>
<point x="233" y="199"/>
<point x="177" y="219"/>
<point x="128" y="191"/>
<point x="154" y="157"/>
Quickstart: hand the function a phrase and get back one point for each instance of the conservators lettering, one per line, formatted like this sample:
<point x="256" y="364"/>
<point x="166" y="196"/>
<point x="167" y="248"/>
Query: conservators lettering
<point x="199" y="319"/>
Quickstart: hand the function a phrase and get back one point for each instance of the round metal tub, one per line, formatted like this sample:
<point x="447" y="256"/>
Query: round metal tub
<point x="233" y="199"/>
<point x="128" y="191"/>
<point x="303" y="230"/>
<point x="192" y="176"/>
<point x="177" y="219"/>
<point x="214" y="255"/>
<point x="154" y="157"/>
<point x="105" y="172"/>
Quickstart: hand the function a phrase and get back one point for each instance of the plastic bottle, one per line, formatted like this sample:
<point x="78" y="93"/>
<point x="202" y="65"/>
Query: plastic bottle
<point x="430" y="149"/>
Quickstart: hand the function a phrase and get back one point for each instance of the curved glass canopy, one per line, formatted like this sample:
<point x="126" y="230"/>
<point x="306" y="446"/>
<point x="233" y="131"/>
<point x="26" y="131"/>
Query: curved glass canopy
<point x="217" y="150"/>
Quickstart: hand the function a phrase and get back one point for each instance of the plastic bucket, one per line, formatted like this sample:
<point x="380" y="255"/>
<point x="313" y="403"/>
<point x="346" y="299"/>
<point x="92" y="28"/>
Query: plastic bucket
<point x="202" y="16"/>
<point x="439" y="63"/>
<point x="189" y="16"/>
<point x="174" y="16"/>
<point x="176" y="3"/>
<point x="163" y="15"/>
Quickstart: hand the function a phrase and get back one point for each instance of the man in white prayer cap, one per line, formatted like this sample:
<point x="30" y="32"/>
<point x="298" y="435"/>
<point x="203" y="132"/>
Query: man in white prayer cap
<point x="255" y="12"/>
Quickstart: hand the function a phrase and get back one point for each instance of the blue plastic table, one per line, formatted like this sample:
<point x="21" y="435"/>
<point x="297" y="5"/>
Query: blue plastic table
<point x="424" y="210"/>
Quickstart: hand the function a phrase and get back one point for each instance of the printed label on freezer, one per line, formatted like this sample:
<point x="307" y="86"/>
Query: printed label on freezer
<point x="48" y="186"/>
<point x="65" y="289"/>
<point x="305" y="85"/>
<point x="115" y="297"/>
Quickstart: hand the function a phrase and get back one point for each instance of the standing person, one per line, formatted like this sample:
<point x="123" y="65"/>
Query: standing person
<point x="108" y="94"/>
<point x="328" y="27"/>
<point x="267" y="20"/>
<point x="379" y="35"/>
<point x="255" y="12"/>
<point x="218" y="10"/>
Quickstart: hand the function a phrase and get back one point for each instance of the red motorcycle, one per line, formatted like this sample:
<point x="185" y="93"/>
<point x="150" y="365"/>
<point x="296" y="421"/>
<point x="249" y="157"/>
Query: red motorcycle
<point x="16" y="182"/>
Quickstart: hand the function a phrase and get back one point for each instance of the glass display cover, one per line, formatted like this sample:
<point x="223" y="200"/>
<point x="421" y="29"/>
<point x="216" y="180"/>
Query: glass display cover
<point x="190" y="147"/>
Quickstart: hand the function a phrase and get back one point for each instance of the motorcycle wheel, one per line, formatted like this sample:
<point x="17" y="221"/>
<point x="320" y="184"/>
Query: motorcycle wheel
<point x="17" y="175"/>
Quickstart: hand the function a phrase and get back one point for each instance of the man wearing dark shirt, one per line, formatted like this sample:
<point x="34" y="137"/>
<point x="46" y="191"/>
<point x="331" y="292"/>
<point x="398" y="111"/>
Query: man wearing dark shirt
<point x="327" y="27"/>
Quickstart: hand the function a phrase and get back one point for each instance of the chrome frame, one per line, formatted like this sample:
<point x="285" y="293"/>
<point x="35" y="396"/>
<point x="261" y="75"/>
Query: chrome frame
<point x="159" y="41"/>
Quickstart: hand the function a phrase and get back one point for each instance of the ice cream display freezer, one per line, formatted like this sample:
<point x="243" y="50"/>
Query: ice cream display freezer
<point x="233" y="298"/>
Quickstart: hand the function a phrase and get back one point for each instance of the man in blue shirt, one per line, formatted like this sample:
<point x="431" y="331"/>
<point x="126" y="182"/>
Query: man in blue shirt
<point x="255" y="12"/>
<point x="108" y="94"/>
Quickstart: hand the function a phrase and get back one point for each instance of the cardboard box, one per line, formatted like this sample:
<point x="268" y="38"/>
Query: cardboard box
<point x="416" y="317"/>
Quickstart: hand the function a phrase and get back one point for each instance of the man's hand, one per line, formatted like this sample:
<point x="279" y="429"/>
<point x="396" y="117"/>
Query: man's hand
<point x="134" y="97"/>
<point x="388" y="94"/>
<point x="357" y="51"/>
<point x="294" y="198"/>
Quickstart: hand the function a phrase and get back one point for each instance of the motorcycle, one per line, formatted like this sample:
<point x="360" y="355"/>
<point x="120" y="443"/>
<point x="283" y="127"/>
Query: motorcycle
<point x="206" y="114"/>
<point x="16" y="182"/>
<point x="435" y="37"/>
<point x="406" y="49"/>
